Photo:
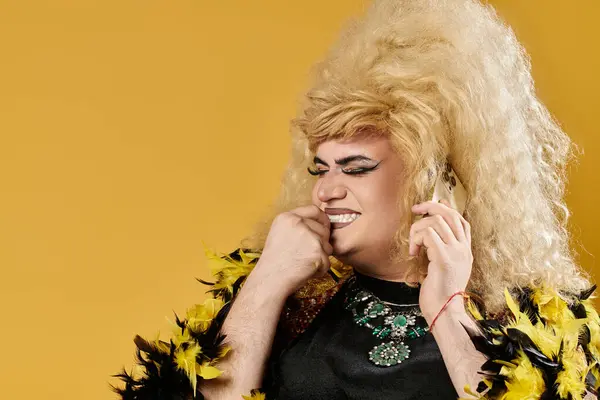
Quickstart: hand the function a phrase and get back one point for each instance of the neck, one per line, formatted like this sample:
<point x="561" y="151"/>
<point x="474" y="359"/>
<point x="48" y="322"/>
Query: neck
<point x="393" y="272"/>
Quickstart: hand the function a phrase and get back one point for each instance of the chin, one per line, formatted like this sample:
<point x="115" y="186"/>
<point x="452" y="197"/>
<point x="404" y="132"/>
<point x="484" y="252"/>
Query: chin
<point x="348" y="242"/>
<point x="342" y="243"/>
<point x="343" y="252"/>
<point x="339" y="251"/>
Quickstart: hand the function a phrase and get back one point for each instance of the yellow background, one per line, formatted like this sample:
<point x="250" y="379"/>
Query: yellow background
<point x="131" y="130"/>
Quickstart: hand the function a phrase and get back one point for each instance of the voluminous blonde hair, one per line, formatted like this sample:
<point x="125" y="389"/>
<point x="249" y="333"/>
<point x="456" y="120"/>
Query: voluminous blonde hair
<point x="447" y="79"/>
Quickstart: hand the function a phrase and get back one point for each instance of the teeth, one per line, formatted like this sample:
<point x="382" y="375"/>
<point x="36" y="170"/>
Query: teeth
<point x="340" y="218"/>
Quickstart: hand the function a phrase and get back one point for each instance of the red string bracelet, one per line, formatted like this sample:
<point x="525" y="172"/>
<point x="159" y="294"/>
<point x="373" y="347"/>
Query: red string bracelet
<point x="463" y="294"/>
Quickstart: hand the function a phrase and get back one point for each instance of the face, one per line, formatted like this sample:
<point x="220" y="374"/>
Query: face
<point x="358" y="185"/>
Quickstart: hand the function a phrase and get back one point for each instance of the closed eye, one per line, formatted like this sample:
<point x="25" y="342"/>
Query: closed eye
<point x="316" y="172"/>
<point x="347" y="171"/>
<point x="358" y="171"/>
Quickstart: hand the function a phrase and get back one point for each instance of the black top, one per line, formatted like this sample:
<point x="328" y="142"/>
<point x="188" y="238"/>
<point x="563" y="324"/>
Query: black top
<point x="330" y="360"/>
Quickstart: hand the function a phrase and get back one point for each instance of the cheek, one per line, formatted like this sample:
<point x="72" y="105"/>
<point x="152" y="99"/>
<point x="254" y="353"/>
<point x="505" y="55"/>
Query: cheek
<point x="381" y="200"/>
<point x="391" y="206"/>
<point x="380" y="194"/>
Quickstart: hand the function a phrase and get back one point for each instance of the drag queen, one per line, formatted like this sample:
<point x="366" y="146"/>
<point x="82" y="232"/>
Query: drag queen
<point x="361" y="285"/>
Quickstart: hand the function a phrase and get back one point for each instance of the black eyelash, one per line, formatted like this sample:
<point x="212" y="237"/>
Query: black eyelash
<point x="353" y="171"/>
<point x="315" y="172"/>
<point x="358" y="171"/>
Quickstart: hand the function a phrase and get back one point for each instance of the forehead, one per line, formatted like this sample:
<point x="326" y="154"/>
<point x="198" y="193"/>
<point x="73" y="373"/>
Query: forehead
<point x="372" y="147"/>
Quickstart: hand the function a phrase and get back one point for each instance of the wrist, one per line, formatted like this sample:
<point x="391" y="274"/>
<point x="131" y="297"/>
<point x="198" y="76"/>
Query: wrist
<point x="451" y="309"/>
<point x="264" y="290"/>
<point x="450" y="329"/>
<point x="275" y="278"/>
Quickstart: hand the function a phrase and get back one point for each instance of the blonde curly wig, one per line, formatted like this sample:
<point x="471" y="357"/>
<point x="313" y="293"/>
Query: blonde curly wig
<point x="447" y="79"/>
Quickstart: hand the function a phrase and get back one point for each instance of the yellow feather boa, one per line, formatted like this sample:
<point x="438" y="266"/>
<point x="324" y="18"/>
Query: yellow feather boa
<point x="542" y="341"/>
<point x="544" y="348"/>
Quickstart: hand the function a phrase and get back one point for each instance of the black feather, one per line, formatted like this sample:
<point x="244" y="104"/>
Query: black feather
<point x="527" y="306"/>
<point x="587" y="293"/>
<point x="584" y="336"/>
<point x="482" y="341"/>
<point x="578" y="310"/>
<point x="590" y="381"/>
<point x="537" y="358"/>
<point x="161" y="379"/>
<point x="489" y="324"/>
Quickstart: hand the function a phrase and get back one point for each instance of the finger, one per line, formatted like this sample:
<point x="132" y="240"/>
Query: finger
<point x="450" y="215"/>
<point x="414" y="244"/>
<point x="327" y="248"/>
<point x="465" y="224"/>
<point x="429" y="238"/>
<point x="446" y="203"/>
<point x="318" y="228"/>
<point x="322" y="233"/>
<point x="459" y="220"/>
<point x="313" y="212"/>
<point x="438" y="223"/>
<point x="325" y="264"/>
<point x="467" y="228"/>
<point x="322" y="266"/>
<point x="413" y="249"/>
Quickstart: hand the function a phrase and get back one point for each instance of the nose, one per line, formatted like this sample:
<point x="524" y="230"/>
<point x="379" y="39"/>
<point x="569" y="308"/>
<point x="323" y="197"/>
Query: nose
<point x="330" y="188"/>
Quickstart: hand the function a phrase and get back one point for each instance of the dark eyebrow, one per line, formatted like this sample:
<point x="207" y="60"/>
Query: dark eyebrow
<point x="343" y="161"/>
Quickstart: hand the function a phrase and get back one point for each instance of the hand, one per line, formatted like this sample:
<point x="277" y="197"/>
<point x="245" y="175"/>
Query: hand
<point x="447" y="237"/>
<point x="297" y="248"/>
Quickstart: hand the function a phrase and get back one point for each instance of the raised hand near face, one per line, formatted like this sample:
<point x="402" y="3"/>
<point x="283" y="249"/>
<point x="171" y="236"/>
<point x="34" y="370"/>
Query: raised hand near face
<point x="446" y="236"/>
<point x="297" y="248"/>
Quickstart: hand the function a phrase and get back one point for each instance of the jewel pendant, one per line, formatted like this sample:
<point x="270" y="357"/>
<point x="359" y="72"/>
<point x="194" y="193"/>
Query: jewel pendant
<point x="389" y="354"/>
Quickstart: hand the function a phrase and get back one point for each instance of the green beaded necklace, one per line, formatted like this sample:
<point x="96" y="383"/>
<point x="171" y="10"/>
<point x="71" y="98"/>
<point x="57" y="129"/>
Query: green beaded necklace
<point x="384" y="322"/>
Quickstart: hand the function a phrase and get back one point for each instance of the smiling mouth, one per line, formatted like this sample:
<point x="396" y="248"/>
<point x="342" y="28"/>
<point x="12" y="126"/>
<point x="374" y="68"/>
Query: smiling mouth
<point x="342" y="220"/>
